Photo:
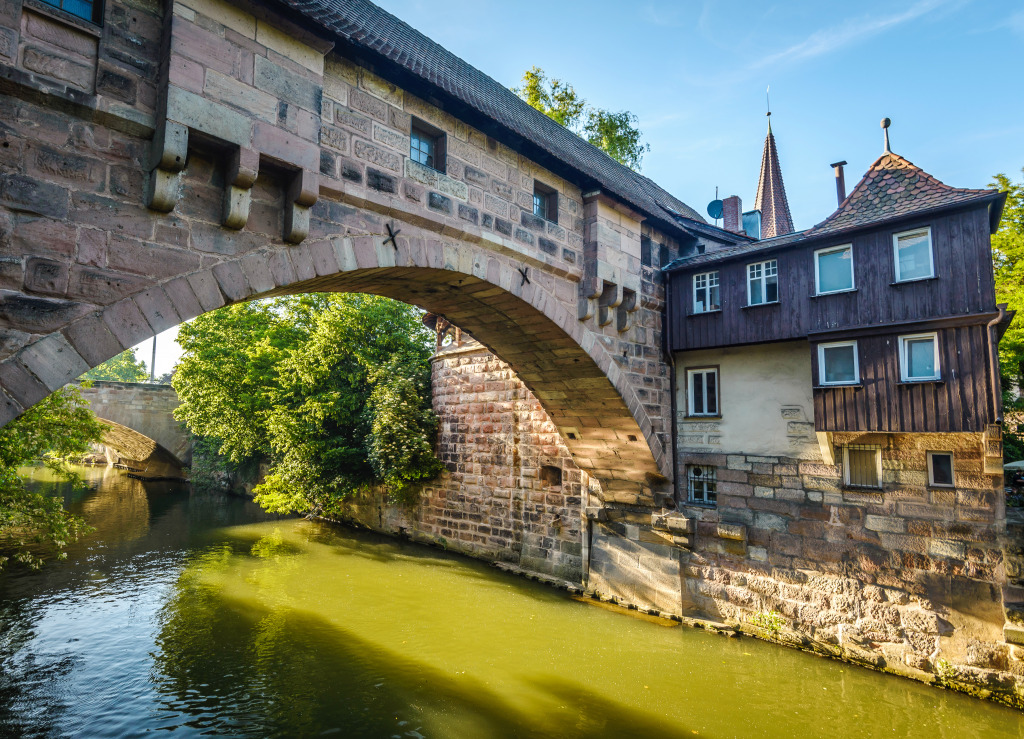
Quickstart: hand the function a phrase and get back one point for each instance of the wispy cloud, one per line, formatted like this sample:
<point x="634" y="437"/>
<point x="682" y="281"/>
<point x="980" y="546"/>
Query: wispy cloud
<point x="850" y="32"/>
<point x="1016" y="22"/>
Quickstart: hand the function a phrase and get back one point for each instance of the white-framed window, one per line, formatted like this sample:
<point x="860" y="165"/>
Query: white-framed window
<point x="913" y="252"/>
<point x="862" y="466"/>
<point x="705" y="292"/>
<point x="833" y="269"/>
<point x="701" y="486"/>
<point x="838" y="363"/>
<point x="940" y="469"/>
<point x="919" y="357"/>
<point x="763" y="282"/>
<point x="702" y="391"/>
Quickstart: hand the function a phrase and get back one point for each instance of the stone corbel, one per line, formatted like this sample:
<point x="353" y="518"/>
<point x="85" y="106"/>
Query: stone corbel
<point x="170" y="150"/>
<point x="611" y="298"/>
<point x="242" y="169"/>
<point x="589" y="291"/>
<point x="624" y="313"/>
<point x="302" y="195"/>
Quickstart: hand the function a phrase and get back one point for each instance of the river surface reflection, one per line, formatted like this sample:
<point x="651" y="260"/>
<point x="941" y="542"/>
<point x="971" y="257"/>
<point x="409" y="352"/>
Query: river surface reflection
<point x="205" y="616"/>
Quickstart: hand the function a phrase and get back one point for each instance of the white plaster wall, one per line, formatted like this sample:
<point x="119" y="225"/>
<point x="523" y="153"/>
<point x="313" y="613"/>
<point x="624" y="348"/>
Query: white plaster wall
<point x="767" y="405"/>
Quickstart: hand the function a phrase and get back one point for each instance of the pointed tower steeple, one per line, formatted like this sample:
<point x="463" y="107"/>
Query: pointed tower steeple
<point x="771" y="192"/>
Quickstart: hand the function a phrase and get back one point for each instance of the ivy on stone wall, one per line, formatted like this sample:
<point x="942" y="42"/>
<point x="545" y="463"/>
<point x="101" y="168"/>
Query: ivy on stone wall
<point x="332" y="390"/>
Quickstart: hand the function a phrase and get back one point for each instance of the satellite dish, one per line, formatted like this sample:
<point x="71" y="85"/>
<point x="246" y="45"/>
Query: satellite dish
<point x="715" y="209"/>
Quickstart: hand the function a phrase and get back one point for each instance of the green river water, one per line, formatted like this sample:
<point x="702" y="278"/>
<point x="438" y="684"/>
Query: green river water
<point x="202" y="616"/>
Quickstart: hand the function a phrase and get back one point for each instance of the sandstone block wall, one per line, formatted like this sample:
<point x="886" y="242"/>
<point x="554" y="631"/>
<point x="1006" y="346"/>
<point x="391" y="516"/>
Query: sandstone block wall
<point x="511" y="492"/>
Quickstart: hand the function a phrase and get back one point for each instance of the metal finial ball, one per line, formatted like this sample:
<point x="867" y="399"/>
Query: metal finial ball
<point x="886" y="123"/>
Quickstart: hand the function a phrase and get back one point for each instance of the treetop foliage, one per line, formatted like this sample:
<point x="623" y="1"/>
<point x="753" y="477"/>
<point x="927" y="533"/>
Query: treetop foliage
<point x="332" y="389"/>
<point x="1008" y="263"/>
<point x="614" y="133"/>
<point x="125" y="367"/>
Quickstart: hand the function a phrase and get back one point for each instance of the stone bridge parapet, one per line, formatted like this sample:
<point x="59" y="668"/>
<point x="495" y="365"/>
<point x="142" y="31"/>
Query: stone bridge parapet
<point x="145" y="409"/>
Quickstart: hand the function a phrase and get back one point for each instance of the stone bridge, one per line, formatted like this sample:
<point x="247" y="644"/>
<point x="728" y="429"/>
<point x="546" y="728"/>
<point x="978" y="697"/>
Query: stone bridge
<point x="191" y="154"/>
<point x="141" y="418"/>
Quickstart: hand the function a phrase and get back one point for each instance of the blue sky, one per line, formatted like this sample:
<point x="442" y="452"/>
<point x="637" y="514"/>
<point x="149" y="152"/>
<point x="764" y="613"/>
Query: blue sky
<point x="947" y="72"/>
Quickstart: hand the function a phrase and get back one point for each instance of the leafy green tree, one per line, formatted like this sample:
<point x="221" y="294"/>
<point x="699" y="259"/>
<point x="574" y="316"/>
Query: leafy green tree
<point x="35" y="526"/>
<point x="333" y="390"/>
<point x="1008" y="261"/>
<point x="614" y="133"/>
<point x="125" y="367"/>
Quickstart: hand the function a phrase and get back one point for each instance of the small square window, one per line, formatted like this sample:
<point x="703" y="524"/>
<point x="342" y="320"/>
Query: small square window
<point x="833" y="269"/>
<point x="89" y="10"/>
<point x="705" y="292"/>
<point x="763" y="282"/>
<point x="919" y="357"/>
<point x="701" y="486"/>
<point x="702" y="392"/>
<point x="914" y="260"/>
<point x="427" y="145"/>
<point x="862" y="466"/>
<point x="838" y="363"/>
<point x="545" y="202"/>
<point x="940" y="469"/>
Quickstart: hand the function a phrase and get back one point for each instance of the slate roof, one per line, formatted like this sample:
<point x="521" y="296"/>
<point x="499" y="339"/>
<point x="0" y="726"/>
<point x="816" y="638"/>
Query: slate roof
<point x="379" y="34"/>
<point x="771" y="192"/>
<point x="892" y="188"/>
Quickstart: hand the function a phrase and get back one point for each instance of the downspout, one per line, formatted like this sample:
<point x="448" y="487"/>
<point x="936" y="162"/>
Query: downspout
<point x="993" y="358"/>
<point x="666" y="347"/>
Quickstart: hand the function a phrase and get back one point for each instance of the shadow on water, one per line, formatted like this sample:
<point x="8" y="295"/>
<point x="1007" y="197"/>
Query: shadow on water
<point x="289" y="673"/>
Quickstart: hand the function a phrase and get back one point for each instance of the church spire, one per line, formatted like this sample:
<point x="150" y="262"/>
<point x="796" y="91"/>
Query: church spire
<point x="771" y="191"/>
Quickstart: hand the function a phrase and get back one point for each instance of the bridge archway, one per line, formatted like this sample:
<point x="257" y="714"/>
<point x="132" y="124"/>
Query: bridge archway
<point x="516" y="313"/>
<point x="134" y="448"/>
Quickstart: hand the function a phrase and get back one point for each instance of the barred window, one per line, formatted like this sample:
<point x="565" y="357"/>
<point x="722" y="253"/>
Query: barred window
<point x="701" y="486"/>
<point x="862" y="466"/>
<point x="427" y="145"/>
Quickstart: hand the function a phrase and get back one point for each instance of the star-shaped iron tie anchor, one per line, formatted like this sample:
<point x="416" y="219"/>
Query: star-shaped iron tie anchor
<point x="392" y="235"/>
<point x="522" y="271"/>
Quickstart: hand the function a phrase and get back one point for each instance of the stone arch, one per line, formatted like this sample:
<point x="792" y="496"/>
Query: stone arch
<point x="135" y="447"/>
<point x="518" y="313"/>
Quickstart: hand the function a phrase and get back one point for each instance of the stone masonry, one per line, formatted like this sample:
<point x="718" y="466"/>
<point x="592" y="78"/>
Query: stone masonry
<point x="145" y="409"/>
<point x="511" y="492"/>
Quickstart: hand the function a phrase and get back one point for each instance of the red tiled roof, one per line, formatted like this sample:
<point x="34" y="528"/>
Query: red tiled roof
<point x="771" y="193"/>
<point x="893" y="187"/>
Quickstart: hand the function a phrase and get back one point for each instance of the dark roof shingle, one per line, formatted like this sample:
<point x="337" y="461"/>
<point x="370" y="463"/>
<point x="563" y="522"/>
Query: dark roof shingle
<point x="370" y="28"/>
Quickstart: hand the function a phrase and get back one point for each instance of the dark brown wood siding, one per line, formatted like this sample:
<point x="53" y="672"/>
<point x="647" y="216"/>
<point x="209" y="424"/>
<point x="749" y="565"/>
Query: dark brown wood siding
<point x="963" y="285"/>
<point x="962" y="401"/>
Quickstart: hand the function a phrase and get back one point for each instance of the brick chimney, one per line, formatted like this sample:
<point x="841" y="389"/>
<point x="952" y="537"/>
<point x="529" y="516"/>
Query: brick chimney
<point x="732" y="214"/>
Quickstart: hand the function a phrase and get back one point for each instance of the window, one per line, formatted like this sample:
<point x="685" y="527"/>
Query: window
<point x="940" y="469"/>
<point x="90" y="10"/>
<point x="913" y="255"/>
<point x="702" y="387"/>
<point x="838" y="363"/>
<point x="833" y="269"/>
<point x="705" y="292"/>
<point x="545" y="202"/>
<point x="700" y="484"/>
<point x="862" y="466"/>
<point x="426" y="145"/>
<point x="763" y="282"/>
<point x="919" y="357"/>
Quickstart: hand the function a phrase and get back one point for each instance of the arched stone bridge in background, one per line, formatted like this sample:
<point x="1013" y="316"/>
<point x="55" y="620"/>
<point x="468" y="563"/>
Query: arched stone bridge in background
<point x="141" y="418"/>
<point x="271" y="156"/>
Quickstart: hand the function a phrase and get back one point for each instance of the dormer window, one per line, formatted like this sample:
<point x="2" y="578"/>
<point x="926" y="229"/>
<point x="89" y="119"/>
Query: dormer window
<point x="705" y="292"/>
<point x="913" y="251"/>
<point x="833" y="269"/>
<point x="426" y="145"/>
<point x="763" y="282"/>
